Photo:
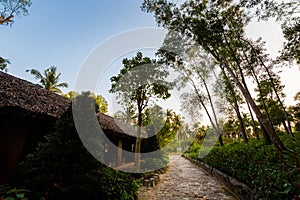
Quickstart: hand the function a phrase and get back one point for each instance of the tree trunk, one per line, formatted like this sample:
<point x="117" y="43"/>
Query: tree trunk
<point x="209" y="117"/>
<point x="253" y="122"/>
<point x="213" y="109"/>
<point x="265" y="122"/>
<point x="241" y="123"/>
<point x="288" y="128"/>
<point x="265" y="134"/>
<point x="138" y="142"/>
<point x="221" y="140"/>
<point x="137" y="163"/>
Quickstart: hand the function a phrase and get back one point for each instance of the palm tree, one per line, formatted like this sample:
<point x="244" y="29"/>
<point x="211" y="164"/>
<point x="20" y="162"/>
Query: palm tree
<point x="3" y="64"/>
<point x="49" y="79"/>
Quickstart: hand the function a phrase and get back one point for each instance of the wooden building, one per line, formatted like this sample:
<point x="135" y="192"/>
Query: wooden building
<point x="121" y="135"/>
<point x="28" y="112"/>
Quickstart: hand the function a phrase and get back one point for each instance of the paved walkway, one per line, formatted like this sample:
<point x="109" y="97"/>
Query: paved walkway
<point x="185" y="180"/>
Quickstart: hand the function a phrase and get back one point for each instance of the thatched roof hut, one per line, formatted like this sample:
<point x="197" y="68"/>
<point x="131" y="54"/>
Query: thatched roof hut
<point x="15" y="92"/>
<point x="117" y="126"/>
<point x="28" y="112"/>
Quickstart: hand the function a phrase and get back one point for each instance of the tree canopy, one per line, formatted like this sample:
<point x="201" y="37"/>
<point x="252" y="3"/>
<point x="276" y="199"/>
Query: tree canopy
<point x="9" y="8"/>
<point x="101" y="104"/>
<point x="139" y="83"/>
<point x="219" y="28"/>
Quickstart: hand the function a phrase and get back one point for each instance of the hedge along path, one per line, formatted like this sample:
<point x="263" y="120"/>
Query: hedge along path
<point x="185" y="180"/>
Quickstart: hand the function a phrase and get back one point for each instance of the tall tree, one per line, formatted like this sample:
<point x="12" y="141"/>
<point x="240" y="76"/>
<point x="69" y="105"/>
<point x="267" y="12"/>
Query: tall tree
<point x="234" y="99"/>
<point x="49" y="79"/>
<point x="71" y="95"/>
<point x="196" y="68"/>
<point x="9" y="8"/>
<point x="101" y="104"/>
<point x="269" y="90"/>
<point x="166" y="129"/>
<point x="218" y="27"/>
<point x="286" y="13"/>
<point x="253" y="122"/>
<point x="262" y="69"/>
<point x="139" y="82"/>
<point x="128" y="116"/>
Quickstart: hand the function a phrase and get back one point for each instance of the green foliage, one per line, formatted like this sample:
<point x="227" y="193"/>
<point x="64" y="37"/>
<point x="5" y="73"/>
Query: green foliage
<point x="295" y="112"/>
<point x="219" y="28"/>
<point x="170" y="129"/>
<point x="172" y="147"/>
<point x="267" y="97"/>
<point x="9" y="8"/>
<point x="140" y="81"/>
<point x="62" y="168"/>
<point x="12" y="193"/>
<point x="3" y="64"/>
<point x="194" y="148"/>
<point x="71" y="95"/>
<point x="101" y="104"/>
<point x="49" y="79"/>
<point x="260" y="166"/>
<point x="158" y="161"/>
<point x="287" y="13"/>
<point x="117" y="185"/>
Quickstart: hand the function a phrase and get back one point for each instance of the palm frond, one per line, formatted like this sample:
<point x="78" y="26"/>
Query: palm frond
<point x="49" y="79"/>
<point x="35" y="73"/>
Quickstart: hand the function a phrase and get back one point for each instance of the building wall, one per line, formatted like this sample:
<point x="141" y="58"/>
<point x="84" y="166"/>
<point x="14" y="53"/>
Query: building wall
<point x="19" y="135"/>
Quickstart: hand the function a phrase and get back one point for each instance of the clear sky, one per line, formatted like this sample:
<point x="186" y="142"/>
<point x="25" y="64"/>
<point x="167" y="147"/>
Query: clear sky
<point x="64" y="32"/>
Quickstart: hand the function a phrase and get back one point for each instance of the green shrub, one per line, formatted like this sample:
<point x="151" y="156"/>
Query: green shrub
<point x="62" y="168"/>
<point x="194" y="147"/>
<point x="158" y="161"/>
<point x="12" y="193"/>
<point x="260" y="166"/>
<point x="117" y="185"/>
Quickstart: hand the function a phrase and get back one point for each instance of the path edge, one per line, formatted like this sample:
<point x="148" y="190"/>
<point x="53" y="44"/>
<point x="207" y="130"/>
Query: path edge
<point x="239" y="189"/>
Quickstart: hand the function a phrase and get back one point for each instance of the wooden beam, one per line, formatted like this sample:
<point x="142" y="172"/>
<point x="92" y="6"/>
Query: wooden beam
<point x="119" y="152"/>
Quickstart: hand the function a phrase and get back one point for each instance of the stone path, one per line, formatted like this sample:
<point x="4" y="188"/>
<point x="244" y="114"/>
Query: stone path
<point x="185" y="180"/>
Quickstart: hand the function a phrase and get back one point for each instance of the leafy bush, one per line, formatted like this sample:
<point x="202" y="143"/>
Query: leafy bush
<point x="12" y="193"/>
<point x="260" y="166"/>
<point x="194" y="148"/>
<point x="117" y="185"/>
<point x="62" y="168"/>
<point x="158" y="161"/>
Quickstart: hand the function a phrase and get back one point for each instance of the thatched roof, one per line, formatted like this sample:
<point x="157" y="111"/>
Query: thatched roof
<point x="16" y="92"/>
<point x="117" y="126"/>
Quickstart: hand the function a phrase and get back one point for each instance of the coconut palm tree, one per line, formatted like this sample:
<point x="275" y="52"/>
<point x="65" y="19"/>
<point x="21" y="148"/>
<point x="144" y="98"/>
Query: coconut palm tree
<point x="49" y="79"/>
<point x="3" y="64"/>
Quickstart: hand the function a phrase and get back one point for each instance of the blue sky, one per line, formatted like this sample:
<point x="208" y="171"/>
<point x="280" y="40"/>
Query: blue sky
<point x="64" y="32"/>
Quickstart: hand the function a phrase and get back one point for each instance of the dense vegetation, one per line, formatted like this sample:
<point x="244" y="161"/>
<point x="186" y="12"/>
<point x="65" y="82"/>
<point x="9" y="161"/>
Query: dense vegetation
<point x="62" y="168"/>
<point x="258" y="165"/>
